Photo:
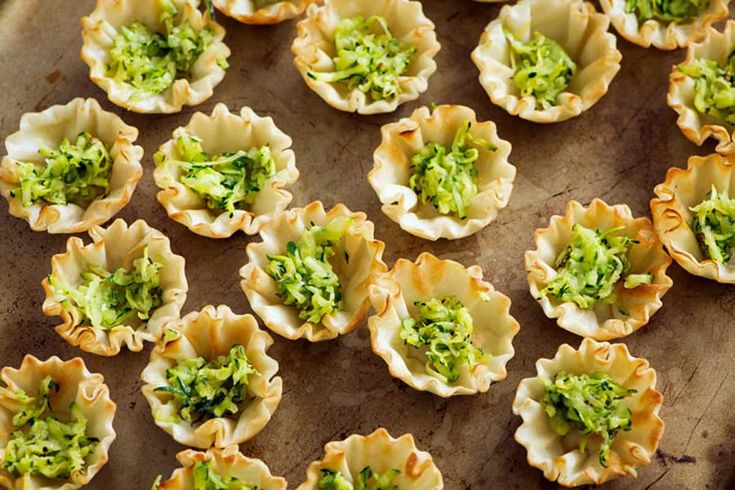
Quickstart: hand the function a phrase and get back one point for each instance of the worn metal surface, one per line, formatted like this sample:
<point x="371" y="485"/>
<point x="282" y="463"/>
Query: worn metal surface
<point x="617" y="151"/>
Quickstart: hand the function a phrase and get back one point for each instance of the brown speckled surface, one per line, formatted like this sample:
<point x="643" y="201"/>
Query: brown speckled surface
<point x="617" y="151"/>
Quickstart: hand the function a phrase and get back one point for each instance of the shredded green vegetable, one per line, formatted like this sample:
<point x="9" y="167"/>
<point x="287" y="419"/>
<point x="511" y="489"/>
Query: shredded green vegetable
<point x="447" y="177"/>
<point x="77" y="173"/>
<point x="366" y="480"/>
<point x="368" y="58"/>
<point x="541" y="68"/>
<point x="666" y="10"/>
<point x="714" y="225"/>
<point x="714" y="87"/>
<point x="444" y="329"/>
<point x="305" y="276"/>
<point x="207" y="479"/>
<point x="592" y="404"/>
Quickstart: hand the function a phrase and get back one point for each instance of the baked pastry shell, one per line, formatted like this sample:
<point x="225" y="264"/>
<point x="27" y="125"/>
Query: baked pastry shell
<point x="247" y="12"/>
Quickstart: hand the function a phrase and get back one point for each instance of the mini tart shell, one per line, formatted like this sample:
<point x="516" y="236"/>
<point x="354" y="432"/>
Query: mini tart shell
<point x="226" y="462"/>
<point x="392" y="170"/>
<point x="105" y="22"/>
<point x="560" y="458"/>
<point x="365" y="263"/>
<point x="111" y="248"/>
<point x="76" y="385"/>
<point x="226" y="132"/>
<point x="681" y="190"/>
<point x="211" y="333"/>
<point x="314" y="49"/>
<point x="393" y="297"/>
<point x="697" y="127"/>
<point x="247" y="12"/>
<point x="582" y="32"/>
<point x="382" y="453"/>
<point x="46" y="129"/>
<point x="604" y="321"/>
<point x="660" y="35"/>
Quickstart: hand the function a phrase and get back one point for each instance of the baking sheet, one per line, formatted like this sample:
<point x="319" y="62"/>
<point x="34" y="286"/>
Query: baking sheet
<point x="617" y="151"/>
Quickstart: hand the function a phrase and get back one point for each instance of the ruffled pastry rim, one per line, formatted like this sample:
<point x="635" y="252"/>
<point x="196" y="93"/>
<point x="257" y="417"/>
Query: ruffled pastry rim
<point x="92" y="398"/>
<point x="108" y="343"/>
<point x="662" y="36"/>
<point x="222" y="326"/>
<point x="308" y="51"/>
<point x="97" y="34"/>
<point x="224" y="225"/>
<point x="402" y="205"/>
<point x="271" y="14"/>
<point x="569" y="104"/>
<point x="255" y="280"/>
<point x="599" y="355"/>
<point x="389" y="303"/>
<point x="567" y="313"/>
<point x="57" y="218"/>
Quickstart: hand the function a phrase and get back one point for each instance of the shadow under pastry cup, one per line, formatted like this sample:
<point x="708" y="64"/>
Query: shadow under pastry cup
<point x="314" y="50"/>
<point x="224" y="132"/>
<point x="559" y="457"/>
<point x="108" y="20"/>
<point x="382" y="453"/>
<point x="114" y="247"/>
<point x="580" y="30"/>
<point x="46" y="130"/>
<point x="249" y="11"/>
<point x="392" y="170"/>
<point x="74" y="385"/>
<point x="631" y="308"/>
<point x="211" y="333"/>
<point x="393" y="297"/>
<point x="356" y="262"/>
<point x="661" y="34"/>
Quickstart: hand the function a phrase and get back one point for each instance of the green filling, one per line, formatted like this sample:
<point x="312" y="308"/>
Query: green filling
<point x="714" y="87"/>
<point x="368" y="58"/>
<point x="666" y="10"/>
<point x="444" y="329"/>
<point x="714" y="226"/>
<point x="541" y="68"/>
<point x="591" y="404"/>
<point x="109" y="300"/>
<point x="43" y="445"/>
<point x="447" y="177"/>
<point x="204" y="390"/>
<point x="366" y="480"/>
<point x="77" y="173"/>
<point x="305" y="276"/>
<point x="206" y="479"/>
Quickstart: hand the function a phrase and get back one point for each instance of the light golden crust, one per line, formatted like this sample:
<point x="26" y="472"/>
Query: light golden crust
<point x="382" y="453"/>
<point x="104" y="23"/>
<point x="392" y="170"/>
<point x="393" y="296"/>
<point x="634" y="307"/>
<point x="226" y="462"/>
<point x="660" y="35"/>
<point x="115" y="246"/>
<point x="682" y="190"/>
<point x="356" y="275"/>
<point x="247" y="12"/>
<point x="559" y="458"/>
<point x="76" y="385"/>
<point x="211" y="333"/>
<point x="46" y="129"/>
<point x="314" y="49"/>
<point x="227" y="132"/>
<point x="582" y="32"/>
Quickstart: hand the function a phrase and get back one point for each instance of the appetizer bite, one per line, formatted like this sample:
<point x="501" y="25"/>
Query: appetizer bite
<point x="589" y="415"/>
<point x="442" y="174"/>
<point x="70" y="167"/>
<point x="154" y="56"/>
<point x="547" y="60"/>
<point x="366" y="56"/>
<point x="310" y="275"/>
<point x="440" y="327"/>
<point x="224" y="172"/>
<point x="55" y="424"/>
<point x="210" y="381"/>
<point x="664" y="24"/>
<point x="376" y="461"/>
<point x="121" y="289"/>
<point x="600" y="272"/>
<point x="262" y="11"/>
